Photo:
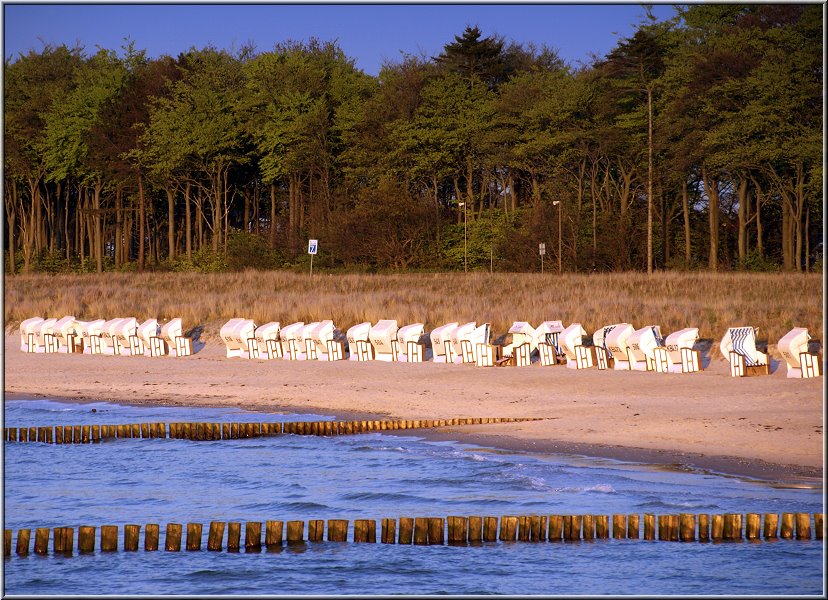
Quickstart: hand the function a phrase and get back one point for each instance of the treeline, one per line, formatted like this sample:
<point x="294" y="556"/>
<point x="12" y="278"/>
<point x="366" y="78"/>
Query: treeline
<point x="695" y="143"/>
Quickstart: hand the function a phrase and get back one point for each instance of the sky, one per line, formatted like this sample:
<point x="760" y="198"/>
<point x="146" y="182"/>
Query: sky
<point x="371" y="34"/>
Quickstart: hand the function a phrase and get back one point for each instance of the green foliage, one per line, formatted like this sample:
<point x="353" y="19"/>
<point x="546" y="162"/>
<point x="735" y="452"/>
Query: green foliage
<point x="249" y="251"/>
<point x="203" y="261"/>
<point x="758" y="263"/>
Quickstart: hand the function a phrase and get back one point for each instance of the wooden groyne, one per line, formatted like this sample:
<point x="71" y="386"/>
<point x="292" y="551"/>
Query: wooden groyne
<point x="200" y="431"/>
<point x="452" y="530"/>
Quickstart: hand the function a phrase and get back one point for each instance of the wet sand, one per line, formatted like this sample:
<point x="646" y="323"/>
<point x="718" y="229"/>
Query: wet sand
<point x="766" y="427"/>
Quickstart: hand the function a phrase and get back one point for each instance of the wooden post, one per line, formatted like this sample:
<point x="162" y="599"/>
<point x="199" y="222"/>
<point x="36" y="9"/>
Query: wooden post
<point x="96" y="433"/>
<point x="489" y="529"/>
<point x="233" y="536"/>
<point x="273" y="533"/>
<point x="575" y="528"/>
<point x="602" y="527"/>
<point x="771" y="526"/>
<point x="555" y="528"/>
<point x="704" y="527"/>
<point x="194" y="536"/>
<point x="619" y="527"/>
<point x="131" y="537"/>
<point x="215" y="536"/>
<point x="41" y="545"/>
<point x="135" y="430"/>
<point x="589" y="527"/>
<point x="406" y="530"/>
<point x="389" y="531"/>
<point x="7" y="542"/>
<point x="109" y="538"/>
<point x="85" y="439"/>
<point x="365" y="530"/>
<point x="716" y="527"/>
<point x="475" y="529"/>
<point x="58" y="434"/>
<point x="633" y="528"/>
<point x="64" y="539"/>
<point x="112" y="431"/>
<point x="649" y="526"/>
<point x="225" y="431"/>
<point x="523" y="523"/>
<point x="76" y="434"/>
<point x="508" y="528"/>
<point x="295" y="532"/>
<point x="316" y="530"/>
<point x="337" y="530"/>
<point x="687" y="527"/>
<point x="23" y="538"/>
<point x="253" y="536"/>
<point x="818" y="526"/>
<point x="33" y="434"/>
<point x="151" y="537"/>
<point x="753" y="522"/>
<point x="172" y="543"/>
<point x="144" y="430"/>
<point x="537" y="528"/>
<point x="420" y="530"/>
<point x="436" y="533"/>
<point x="803" y="526"/>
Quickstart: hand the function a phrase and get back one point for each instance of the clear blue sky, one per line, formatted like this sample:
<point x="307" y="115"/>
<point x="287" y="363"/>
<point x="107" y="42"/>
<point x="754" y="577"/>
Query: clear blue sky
<point x="368" y="33"/>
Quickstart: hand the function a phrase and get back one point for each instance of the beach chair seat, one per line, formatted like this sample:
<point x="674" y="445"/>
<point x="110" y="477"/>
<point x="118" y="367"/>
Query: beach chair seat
<point x="441" y="347"/>
<point x="641" y="347"/>
<point x="359" y="346"/>
<point x="267" y="345"/>
<point x="794" y="349"/>
<point x="173" y="334"/>
<point x="289" y="337"/>
<point x="577" y="355"/>
<point x="383" y="338"/>
<point x="616" y="343"/>
<point x="547" y="335"/>
<point x="408" y="334"/>
<point x="487" y="355"/>
<point x="28" y="333"/>
<point x="739" y="346"/>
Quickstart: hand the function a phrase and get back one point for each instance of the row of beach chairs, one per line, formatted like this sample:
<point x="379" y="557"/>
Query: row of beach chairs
<point x="118" y="337"/>
<point x="619" y="346"/>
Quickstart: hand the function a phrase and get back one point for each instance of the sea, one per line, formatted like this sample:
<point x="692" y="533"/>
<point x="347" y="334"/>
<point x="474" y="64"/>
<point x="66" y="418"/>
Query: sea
<point x="373" y="476"/>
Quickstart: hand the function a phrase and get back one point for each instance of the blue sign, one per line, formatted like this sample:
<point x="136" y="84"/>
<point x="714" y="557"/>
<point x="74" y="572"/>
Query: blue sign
<point x="312" y="246"/>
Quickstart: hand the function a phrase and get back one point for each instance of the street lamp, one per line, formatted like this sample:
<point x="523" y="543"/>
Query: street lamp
<point x="465" y="230"/>
<point x="558" y="204"/>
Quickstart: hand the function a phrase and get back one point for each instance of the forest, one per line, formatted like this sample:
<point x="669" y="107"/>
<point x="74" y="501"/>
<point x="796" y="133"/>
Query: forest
<point x="696" y="143"/>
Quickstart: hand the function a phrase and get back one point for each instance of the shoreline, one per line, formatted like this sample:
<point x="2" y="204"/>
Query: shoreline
<point x="767" y="427"/>
<point x="768" y="473"/>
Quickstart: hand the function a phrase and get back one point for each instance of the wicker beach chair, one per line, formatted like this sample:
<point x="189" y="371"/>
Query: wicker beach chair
<point x="794" y="349"/>
<point x="441" y="347"/>
<point x="739" y="346"/>
<point x="359" y="346"/>
<point x="383" y="338"/>
<point x="410" y="343"/>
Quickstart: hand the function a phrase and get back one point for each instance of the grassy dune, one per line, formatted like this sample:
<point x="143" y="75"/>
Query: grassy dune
<point x="712" y="302"/>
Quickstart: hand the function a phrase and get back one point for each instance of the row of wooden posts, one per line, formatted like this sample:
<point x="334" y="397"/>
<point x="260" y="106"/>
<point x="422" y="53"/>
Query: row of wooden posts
<point x="84" y="434"/>
<point x="686" y="527"/>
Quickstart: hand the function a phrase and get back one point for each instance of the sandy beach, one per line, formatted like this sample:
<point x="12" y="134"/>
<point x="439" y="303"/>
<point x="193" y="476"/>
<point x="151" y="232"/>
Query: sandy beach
<point x="767" y="427"/>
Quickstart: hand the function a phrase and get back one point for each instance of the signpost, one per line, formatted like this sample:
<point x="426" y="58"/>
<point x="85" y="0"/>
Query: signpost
<point x="313" y="246"/>
<point x="542" y="251"/>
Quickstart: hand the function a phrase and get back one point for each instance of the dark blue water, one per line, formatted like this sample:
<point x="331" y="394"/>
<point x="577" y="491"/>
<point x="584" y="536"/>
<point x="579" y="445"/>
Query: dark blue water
<point x="372" y="476"/>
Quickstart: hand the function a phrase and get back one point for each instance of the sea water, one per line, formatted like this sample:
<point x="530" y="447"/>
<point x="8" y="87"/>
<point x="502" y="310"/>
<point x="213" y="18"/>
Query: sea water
<point x="289" y="477"/>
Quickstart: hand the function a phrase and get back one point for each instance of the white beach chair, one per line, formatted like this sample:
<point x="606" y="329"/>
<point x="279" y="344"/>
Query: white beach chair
<point x="177" y="343"/>
<point x="383" y="338"/>
<point x="641" y="347"/>
<point x="678" y="354"/>
<point x="28" y="334"/>
<point x="329" y="341"/>
<point x="602" y="355"/>
<point x="290" y="336"/>
<point x="122" y="333"/>
<point x="794" y="349"/>
<point x="617" y="346"/>
<point x="268" y="345"/>
<point x="456" y="337"/>
<point x="92" y="333"/>
<point x="44" y="340"/>
<point x="108" y="341"/>
<point x="74" y="337"/>
<point x="523" y="343"/>
<point x="55" y="335"/>
<point x="142" y="342"/>
<point x="477" y="349"/>
<point x="739" y="346"/>
<point x="304" y="339"/>
<point x="549" y="347"/>
<point x="577" y="355"/>
<point x="442" y="350"/>
<point x="359" y="346"/>
<point x="409" y="347"/>
<point x="236" y="334"/>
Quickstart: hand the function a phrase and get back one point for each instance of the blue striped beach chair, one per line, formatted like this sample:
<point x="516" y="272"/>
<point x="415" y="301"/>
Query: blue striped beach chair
<point x="739" y="346"/>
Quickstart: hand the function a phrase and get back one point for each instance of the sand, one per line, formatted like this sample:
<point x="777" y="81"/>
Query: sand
<point x="768" y="427"/>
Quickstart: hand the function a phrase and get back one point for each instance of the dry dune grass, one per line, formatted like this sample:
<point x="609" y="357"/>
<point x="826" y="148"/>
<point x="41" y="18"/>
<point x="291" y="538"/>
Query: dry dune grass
<point x="712" y="302"/>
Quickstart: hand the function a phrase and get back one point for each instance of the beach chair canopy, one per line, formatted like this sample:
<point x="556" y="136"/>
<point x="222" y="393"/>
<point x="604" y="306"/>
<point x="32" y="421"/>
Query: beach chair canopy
<point x="268" y="331"/>
<point x="292" y="331"/>
<point x="616" y="339"/>
<point x="544" y="331"/>
<point x="30" y="325"/>
<point x="148" y="329"/>
<point x="570" y="337"/>
<point x="460" y="333"/>
<point x="358" y="332"/>
<point x="172" y="329"/>
<point x="643" y="342"/>
<point x="381" y="335"/>
<point x="439" y="336"/>
<point x="792" y="344"/>
<point x="683" y="338"/>
<point x="741" y="340"/>
<point x="522" y="333"/>
<point x="409" y="333"/>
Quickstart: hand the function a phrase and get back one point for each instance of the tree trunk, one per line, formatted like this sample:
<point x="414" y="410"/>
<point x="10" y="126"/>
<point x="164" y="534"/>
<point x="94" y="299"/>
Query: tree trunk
<point x="685" y="207"/>
<point x="141" y="221"/>
<point x="170" y="222"/>
<point x="98" y="218"/>
<point x="119" y="228"/>
<point x="11" y="217"/>
<point x="743" y="201"/>
<point x="649" y="180"/>
<point x="272" y="232"/>
<point x="711" y="188"/>
<point x="188" y="242"/>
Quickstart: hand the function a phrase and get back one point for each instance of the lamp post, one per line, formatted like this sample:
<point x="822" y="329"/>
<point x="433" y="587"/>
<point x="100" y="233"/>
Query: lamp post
<point x="465" y="230"/>
<point x="558" y="204"/>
